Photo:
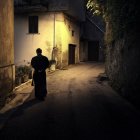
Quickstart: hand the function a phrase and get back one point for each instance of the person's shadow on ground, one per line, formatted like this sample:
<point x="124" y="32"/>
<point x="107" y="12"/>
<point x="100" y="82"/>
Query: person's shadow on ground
<point x="27" y="104"/>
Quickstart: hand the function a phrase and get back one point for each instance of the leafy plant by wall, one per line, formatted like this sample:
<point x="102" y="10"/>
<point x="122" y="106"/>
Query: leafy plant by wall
<point x="121" y="15"/>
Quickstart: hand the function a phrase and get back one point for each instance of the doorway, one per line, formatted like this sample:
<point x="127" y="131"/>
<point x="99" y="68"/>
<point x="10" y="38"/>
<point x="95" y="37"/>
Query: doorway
<point x="71" y="54"/>
<point x="93" y="51"/>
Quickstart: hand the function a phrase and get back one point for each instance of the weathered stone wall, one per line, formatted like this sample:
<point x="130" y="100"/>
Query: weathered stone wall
<point x="6" y="47"/>
<point x="123" y="66"/>
<point x="123" y="51"/>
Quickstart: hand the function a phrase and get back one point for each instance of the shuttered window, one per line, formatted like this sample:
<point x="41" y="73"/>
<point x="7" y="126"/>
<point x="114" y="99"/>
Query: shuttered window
<point x="33" y="24"/>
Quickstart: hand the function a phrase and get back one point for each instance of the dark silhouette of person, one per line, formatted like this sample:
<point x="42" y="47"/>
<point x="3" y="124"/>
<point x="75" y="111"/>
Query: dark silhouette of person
<point x="40" y="63"/>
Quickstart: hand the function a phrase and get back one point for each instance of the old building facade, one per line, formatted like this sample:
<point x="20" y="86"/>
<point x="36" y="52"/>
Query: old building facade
<point x="92" y="39"/>
<point x="56" y="30"/>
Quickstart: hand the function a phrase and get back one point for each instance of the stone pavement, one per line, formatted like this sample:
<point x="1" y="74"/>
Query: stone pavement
<point x="22" y="92"/>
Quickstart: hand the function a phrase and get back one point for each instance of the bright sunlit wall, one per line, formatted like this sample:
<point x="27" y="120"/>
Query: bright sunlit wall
<point x="54" y="30"/>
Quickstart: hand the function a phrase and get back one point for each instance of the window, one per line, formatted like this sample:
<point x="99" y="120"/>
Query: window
<point x="72" y="32"/>
<point x="33" y="24"/>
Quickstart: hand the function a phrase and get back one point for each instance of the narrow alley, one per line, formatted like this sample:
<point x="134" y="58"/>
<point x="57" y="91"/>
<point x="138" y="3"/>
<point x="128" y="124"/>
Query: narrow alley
<point x="77" y="107"/>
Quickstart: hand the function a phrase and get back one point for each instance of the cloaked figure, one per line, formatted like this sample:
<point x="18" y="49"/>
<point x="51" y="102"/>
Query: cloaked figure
<point x="40" y="63"/>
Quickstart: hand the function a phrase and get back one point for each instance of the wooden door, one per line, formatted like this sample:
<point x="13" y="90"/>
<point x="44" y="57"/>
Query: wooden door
<point x="72" y="54"/>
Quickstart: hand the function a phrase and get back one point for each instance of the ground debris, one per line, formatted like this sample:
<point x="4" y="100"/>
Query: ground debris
<point x="102" y="77"/>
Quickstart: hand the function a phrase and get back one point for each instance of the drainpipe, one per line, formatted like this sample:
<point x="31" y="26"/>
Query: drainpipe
<point x="53" y="35"/>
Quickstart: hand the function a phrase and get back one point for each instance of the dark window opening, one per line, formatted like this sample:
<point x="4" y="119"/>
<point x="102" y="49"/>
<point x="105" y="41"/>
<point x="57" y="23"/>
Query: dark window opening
<point x="33" y="24"/>
<point x="73" y="32"/>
